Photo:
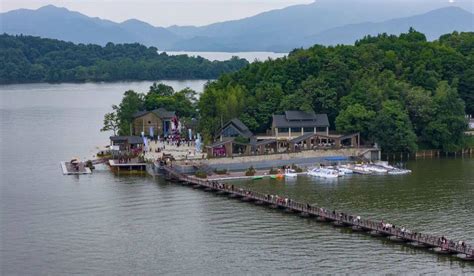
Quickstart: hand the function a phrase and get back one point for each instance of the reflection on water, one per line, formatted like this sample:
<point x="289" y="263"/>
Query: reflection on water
<point x="103" y="224"/>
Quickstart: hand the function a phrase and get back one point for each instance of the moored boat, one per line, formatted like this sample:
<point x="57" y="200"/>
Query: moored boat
<point x="290" y="173"/>
<point x="324" y="173"/>
<point x="399" y="171"/>
<point x="376" y="169"/>
<point x="345" y="170"/>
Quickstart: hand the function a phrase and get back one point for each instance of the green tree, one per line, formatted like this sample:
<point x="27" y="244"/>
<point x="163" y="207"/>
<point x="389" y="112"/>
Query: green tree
<point x="421" y="108"/>
<point x="160" y="89"/>
<point x="446" y="130"/>
<point x="466" y="88"/>
<point x="355" y="118"/>
<point x="132" y="102"/>
<point x="321" y="98"/>
<point x="392" y="129"/>
<point x="295" y="101"/>
<point x="111" y="122"/>
<point x="366" y="92"/>
<point x="262" y="106"/>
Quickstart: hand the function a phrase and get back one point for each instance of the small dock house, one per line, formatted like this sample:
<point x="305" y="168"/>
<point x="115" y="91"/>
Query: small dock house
<point x="125" y="153"/>
<point x="126" y="143"/>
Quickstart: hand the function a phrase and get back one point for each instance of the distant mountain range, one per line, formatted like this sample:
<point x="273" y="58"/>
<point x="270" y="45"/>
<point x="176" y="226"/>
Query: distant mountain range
<point x="433" y="24"/>
<point x="326" y="22"/>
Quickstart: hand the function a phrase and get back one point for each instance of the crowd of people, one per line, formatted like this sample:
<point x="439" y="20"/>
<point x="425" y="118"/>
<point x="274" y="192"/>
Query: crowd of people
<point x="171" y="140"/>
<point x="182" y="148"/>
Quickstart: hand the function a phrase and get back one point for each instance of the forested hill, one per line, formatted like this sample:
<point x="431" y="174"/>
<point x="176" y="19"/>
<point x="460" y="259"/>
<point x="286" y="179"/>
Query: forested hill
<point x="402" y="92"/>
<point x="32" y="59"/>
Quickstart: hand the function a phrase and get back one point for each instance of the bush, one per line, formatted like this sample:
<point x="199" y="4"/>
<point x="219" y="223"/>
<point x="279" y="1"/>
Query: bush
<point x="223" y="171"/>
<point x="250" y="171"/>
<point x="296" y="168"/>
<point x="469" y="141"/>
<point x="273" y="171"/>
<point x="201" y="174"/>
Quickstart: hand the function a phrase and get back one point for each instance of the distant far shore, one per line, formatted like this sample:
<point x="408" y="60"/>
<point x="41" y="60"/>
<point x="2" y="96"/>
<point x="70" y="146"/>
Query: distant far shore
<point x="250" y="56"/>
<point x="29" y="59"/>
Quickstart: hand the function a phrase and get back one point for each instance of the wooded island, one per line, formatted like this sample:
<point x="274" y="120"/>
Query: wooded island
<point x="401" y="92"/>
<point x="29" y="59"/>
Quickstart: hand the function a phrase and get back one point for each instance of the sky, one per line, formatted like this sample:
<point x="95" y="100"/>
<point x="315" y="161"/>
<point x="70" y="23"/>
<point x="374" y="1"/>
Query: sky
<point x="161" y="12"/>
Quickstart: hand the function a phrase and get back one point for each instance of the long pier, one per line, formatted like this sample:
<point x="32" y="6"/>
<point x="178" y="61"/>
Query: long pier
<point x="439" y="245"/>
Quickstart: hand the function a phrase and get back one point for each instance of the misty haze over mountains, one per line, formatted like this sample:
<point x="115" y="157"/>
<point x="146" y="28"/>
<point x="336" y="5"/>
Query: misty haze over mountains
<point x="326" y="22"/>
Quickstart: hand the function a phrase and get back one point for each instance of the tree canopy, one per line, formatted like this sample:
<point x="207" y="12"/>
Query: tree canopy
<point x="26" y="59"/>
<point x="402" y="92"/>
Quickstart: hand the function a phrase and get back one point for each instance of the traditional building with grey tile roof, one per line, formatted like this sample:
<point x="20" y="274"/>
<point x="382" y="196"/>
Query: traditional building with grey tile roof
<point x="295" y="123"/>
<point x="234" y="128"/>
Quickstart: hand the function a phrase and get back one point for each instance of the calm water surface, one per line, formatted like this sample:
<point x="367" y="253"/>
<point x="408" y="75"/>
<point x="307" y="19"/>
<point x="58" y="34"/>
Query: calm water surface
<point x="103" y="224"/>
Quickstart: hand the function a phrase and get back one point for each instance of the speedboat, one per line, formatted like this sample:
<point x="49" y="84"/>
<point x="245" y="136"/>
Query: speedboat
<point x="324" y="173"/>
<point x="376" y="169"/>
<point x="345" y="170"/>
<point x="384" y="164"/>
<point x="391" y="169"/>
<point x="361" y="169"/>
<point x="399" y="171"/>
<point x="290" y="173"/>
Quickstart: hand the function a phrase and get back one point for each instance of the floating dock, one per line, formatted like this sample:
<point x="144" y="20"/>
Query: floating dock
<point x="339" y="219"/>
<point x="70" y="169"/>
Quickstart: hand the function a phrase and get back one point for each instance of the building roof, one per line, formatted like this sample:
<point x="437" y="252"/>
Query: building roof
<point x="220" y="143"/>
<point x="297" y="115"/>
<point x="133" y="140"/>
<point x="241" y="127"/>
<point x="263" y="142"/>
<point x="282" y="121"/>
<point x="301" y="138"/>
<point x="160" y="112"/>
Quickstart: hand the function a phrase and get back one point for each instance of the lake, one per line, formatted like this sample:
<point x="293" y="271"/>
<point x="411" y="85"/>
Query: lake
<point x="102" y="224"/>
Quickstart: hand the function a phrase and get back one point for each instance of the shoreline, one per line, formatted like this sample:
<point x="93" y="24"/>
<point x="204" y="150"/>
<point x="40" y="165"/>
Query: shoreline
<point x="128" y="81"/>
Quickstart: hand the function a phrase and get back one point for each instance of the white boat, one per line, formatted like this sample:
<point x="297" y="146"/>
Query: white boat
<point x="324" y="173"/>
<point x="376" y="169"/>
<point x="345" y="170"/>
<point x="361" y="169"/>
<point x="385" y="165"/>
<point x="335" y="168"/>
<point x="399" y="172"/>
<point x="391" y="169"/>
<point x="290" y="173"/>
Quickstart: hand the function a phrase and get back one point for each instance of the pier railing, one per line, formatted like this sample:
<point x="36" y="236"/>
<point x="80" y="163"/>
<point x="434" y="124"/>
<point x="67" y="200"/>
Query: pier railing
<point x="381" y="228"/>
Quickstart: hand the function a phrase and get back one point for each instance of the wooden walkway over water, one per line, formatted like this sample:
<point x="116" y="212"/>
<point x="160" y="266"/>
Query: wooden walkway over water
<point x="440" y="245"/>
